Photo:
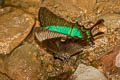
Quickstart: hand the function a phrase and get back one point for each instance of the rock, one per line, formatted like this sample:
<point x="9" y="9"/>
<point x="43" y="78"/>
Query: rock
<point x="14" y="28"/>
<point x="111" y="60"/>
<point x="111" y="20"/>
<point x="71" y="9"/>
<point x="84" y="72"/>
<point x="76" y="5"/>
<point x="31" y="6"/>
<point x="85" y="5"/>
<point x="5" y="10"/>
<point x="23" y="63"/>
<point x="62" y="76"/>
<point x="4" y="77"/>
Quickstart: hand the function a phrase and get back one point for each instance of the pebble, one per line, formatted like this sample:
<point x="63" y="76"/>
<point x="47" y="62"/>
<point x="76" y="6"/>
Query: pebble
<point x="84" y="72"/>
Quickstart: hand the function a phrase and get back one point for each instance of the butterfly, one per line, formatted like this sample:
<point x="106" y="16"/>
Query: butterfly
<point x="64" y="39"/>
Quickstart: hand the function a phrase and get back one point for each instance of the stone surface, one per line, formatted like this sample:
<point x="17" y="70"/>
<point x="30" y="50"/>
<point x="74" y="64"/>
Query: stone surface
<point x="30" y="6"/>
<point x="23" y="63"/>
<point x="111" y="60"/>
<point x="14" y="27"/>
<point x="73" y="8"/>
<point x="62" y="76"/>
<point x="5" y="10"/>
<point x="85" y="5"/>
<point x="85" y="10"/>
<point x="111" y="20"/>
<point x="84" y="72"/>
<point x="4" y="77"/>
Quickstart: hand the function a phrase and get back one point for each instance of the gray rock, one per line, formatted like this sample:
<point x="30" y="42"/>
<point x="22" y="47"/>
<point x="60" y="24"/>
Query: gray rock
<point x="84" y="72"/>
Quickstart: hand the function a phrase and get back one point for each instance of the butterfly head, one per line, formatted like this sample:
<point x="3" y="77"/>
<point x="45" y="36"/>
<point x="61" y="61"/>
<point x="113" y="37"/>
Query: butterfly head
<point x="87" y="33"/>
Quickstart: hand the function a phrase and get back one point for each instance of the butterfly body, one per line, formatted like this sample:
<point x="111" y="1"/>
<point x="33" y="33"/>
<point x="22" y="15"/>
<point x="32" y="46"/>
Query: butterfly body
<point x="54" y="28"/>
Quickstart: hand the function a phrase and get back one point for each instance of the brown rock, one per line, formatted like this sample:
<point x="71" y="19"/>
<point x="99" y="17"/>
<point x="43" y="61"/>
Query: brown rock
<point x="30" y="6"/>
<point x="14" y="27"/>
<point x="85" y="5"/>
<point x="62" y="76"/>
<point x="5" y="10"/>
<point x="23" y="63"/>
<point x="69" y="9"/>
<point x="4" y="77"/>
<point x="111" y="20"/>
<point x="111" y="60"/>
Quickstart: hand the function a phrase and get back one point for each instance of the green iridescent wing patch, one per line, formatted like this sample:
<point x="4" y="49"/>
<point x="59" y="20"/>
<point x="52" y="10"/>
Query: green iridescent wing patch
<point x="74" y="32"/>
<point x="54" y="23"/>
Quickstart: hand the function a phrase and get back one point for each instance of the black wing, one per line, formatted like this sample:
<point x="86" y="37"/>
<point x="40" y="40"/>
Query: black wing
<point x="64" y="49"/>
<point x="48" y="18"/>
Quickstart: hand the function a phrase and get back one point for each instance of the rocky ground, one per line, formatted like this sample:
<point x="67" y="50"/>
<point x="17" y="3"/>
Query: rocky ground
<point x="22" y="58"/>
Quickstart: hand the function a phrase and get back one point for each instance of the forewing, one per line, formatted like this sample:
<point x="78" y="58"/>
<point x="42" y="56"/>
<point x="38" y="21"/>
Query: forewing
<point x="48" y="18"/>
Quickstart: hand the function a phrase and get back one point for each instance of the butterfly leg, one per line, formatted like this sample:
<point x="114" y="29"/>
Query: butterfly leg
<point x="58" y="57"/>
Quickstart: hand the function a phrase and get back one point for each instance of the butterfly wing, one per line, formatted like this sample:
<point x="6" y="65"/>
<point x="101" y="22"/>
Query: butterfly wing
<point x="51" y="40"/>
<point x="43" y="34"/>
<point x="64" y="50"/>
<point x="48" y="18"/>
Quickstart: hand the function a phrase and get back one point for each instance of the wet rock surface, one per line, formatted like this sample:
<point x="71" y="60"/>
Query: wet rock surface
<point x="14" y="27"/>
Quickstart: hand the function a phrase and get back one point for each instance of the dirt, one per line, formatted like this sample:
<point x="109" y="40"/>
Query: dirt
<point x="30" y="61"/>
